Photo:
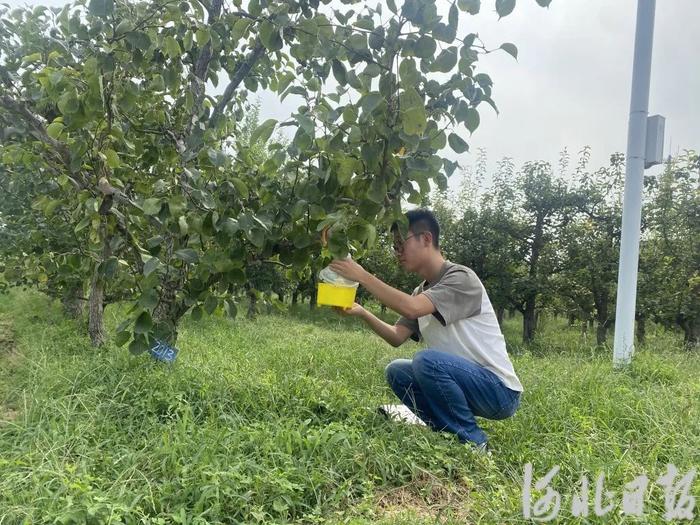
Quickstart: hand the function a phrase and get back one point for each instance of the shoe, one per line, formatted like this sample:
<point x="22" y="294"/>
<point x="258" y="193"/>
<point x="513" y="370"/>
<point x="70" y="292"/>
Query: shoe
<point x="482" y="449"/>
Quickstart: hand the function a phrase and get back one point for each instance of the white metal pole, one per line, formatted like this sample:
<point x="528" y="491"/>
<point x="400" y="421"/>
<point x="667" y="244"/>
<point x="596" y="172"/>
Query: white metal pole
<point x="634" y="174"/>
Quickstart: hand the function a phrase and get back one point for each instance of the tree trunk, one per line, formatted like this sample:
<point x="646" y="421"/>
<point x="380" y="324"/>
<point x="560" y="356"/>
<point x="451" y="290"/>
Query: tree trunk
<point x="641" y="328"/>
<point x="252" y="303"/>
<point x="73" y="301"/>
<point x="691" y="332"/>
<point x="529" y="323"/>
<point x="602" y="318"/>
<point x="96" y="309"/>
<point x="572" y="319"/>
<point x="500" y="311"/>
<point x="168" y="312"/>
<point x="529" y="314"/>
<point x="312" y="299"/>
<point x="295" y="297"/>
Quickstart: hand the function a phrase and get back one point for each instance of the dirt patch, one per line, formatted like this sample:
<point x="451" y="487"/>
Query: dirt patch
<point x="9" y="359"/>
<point x="428" y="497"/>
<point x="7" y="415"/>
<point x="7" y="336"/>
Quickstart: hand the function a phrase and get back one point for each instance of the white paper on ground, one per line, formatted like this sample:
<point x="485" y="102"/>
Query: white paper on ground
<point x="400" y="413"/>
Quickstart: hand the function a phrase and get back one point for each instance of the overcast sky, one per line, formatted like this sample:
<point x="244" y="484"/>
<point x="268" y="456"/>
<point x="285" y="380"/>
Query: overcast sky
<point x="570" y="86"/>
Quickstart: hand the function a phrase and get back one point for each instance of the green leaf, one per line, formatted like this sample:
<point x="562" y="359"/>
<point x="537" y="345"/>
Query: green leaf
<point x="445" y="61"/>
<point x="350" y="114"/>
<point x="256" y="236"/>
<point x="240" y="28"/>
<point x="217" y="157"/>
<point x="184" y="227"/>
<point x="101" y="8"/>
<point x="449" y="167"/>
<point x="470" y="6"/>
<point x="371" y="234"/>
<point x="504" y="7"/>
<point x="123" y="27"/>
<point x="457" y="143"/>
<point x="157" y="83"/>
<point x="472" y="119"/>
<point x="357" y="42"/>
<point x="338" y="243"/>
<point x="85" y="221"/>
<point x="112" y="159"/>
<point x="483" y="80"/>
<point x="149" y="299"/>
<point x="425" y="47"/>
<point x="34" y="57"/>
<point x="139" y="345"/>
<point x="54" y="129"/>
<point x="270" y="36"/>
<point x="391" y="4"/>
<point x="510" y="49"/>
<point x="202" y="36"/>
<point x="339" y="72"/>
<point x="210" y="304"/>
<point x="68" y="103"/>
<point x="188" y="40"/>
<point x="413" y="114"/>
<point x="143" y="323"/>
<point x="186" y="254"/>
<point x="376" y="38"/>
<point x="150" y="266"/>
<point x="241" y="188"/>
<point x="283" y="82"/>
<point x="544" y="3"/>
<point x="172" y="48"/>
<point x="196" y="313"/>
<point x="122" y="338"/>
<point x="51" y="206"/>
<point x="230" y="308"/>
<point x="152" y="206"/>
<point x="263" y="132"/>
<point x="408" y="73"/>
<point x="372" y="70"/>
<point x="370" y="102"/>
<point x="377" y="190"/>
<point x="139" y="40"/>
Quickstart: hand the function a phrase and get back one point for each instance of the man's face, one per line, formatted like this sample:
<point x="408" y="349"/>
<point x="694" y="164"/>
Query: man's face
<point x="409" y="250"/>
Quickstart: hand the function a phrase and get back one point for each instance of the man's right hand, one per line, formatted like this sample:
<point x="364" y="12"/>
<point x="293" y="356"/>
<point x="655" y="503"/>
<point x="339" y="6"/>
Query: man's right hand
<point x="354" y="311"/>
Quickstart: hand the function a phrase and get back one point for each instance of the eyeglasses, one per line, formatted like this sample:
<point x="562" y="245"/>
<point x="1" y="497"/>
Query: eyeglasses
<point x="398" y="248"/>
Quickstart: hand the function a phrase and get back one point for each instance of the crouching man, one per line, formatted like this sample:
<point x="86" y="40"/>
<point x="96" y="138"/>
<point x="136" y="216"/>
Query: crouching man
<point x="464" y="370"/>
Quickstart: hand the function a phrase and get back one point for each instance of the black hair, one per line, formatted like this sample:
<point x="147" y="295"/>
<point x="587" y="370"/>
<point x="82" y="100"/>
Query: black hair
<point x="420" y="221"/>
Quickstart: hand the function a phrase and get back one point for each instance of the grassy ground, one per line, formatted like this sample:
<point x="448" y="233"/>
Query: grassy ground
<point x="271" y="421"/>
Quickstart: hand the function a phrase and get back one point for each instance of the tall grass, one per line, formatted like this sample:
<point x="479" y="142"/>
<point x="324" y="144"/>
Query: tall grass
<point x="273" y="421"/>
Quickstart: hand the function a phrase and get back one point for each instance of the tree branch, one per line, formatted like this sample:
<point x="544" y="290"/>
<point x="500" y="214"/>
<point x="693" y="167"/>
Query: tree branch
<point x="239" y="75"/>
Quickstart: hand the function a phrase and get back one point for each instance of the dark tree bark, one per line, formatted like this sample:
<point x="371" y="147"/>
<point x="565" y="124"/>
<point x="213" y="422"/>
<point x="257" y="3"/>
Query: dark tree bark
<point x="96" y="309"/>
<point x="73" y="301"/>
<point x="641" y="328"/>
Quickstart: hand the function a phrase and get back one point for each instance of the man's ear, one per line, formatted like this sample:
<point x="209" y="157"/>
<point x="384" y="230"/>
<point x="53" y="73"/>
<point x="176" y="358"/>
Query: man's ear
<point x="428" y="236"/>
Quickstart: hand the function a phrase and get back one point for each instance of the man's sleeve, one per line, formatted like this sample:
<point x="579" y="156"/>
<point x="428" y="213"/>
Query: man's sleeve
<point x="457" y="296"/>
<point x="412" y="324"/>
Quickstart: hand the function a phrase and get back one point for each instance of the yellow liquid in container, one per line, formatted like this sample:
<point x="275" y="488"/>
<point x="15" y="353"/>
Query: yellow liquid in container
<point x="332" y="295"/>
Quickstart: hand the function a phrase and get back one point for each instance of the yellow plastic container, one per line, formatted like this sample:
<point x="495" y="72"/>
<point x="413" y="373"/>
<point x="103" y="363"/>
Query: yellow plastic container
<point x="334" y="295"/>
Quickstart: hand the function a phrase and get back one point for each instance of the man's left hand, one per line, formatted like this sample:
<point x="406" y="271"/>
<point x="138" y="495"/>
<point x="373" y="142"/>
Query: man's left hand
<point x="349" y="269"/>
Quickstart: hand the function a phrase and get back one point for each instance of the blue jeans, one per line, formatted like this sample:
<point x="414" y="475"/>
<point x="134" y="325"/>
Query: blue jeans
<point x="447" y="392"/>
